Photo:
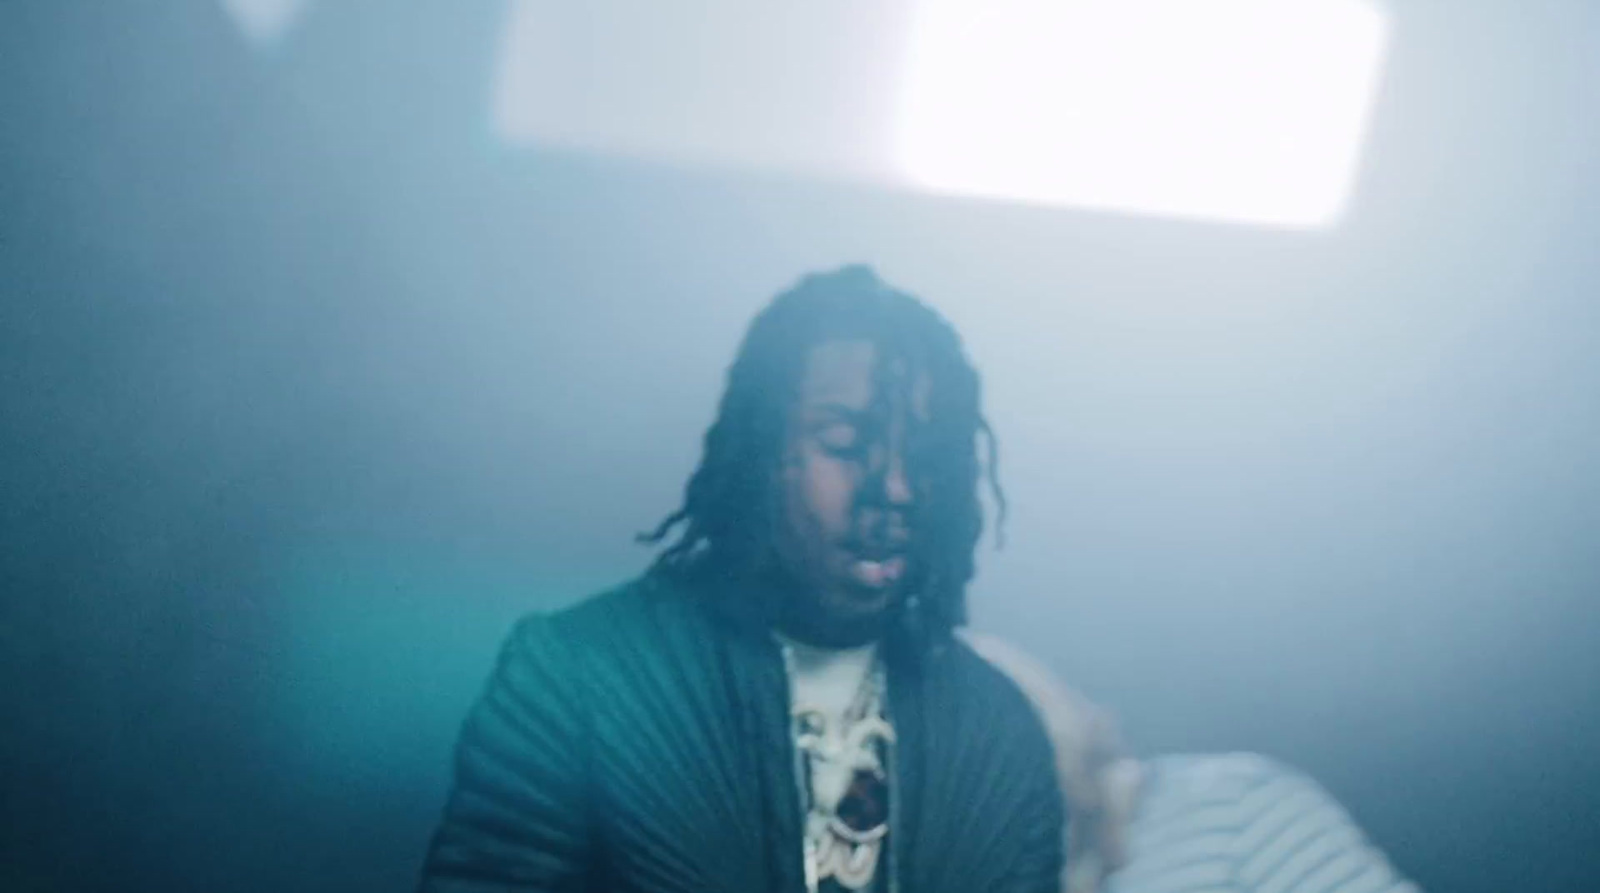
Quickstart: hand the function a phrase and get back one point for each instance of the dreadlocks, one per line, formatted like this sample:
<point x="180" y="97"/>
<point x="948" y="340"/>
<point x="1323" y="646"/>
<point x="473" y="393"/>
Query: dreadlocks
<point x="725" y="523"/>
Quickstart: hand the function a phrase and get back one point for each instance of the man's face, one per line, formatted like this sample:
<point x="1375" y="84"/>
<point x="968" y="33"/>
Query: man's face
<point x="843" y="532"/>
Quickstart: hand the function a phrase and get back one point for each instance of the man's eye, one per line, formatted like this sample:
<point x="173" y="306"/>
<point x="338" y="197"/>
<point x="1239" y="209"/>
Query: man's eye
<point x="841" y="440"/>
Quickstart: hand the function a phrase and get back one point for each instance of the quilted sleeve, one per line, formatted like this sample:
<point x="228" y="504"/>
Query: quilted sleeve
<point x="1041" y="824"/>
<point x="518" y="817"/>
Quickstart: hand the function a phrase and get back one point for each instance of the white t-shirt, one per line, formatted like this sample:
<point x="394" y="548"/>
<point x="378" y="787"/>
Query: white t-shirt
<point x="836" y="702"/>
<point x="826" y="679"/>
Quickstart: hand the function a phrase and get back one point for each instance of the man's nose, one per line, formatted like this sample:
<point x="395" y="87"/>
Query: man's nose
<point x="896" y="483"/>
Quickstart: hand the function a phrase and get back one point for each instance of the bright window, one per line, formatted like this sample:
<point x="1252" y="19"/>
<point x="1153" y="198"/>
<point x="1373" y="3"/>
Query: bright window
<point x="1240" y="110"/>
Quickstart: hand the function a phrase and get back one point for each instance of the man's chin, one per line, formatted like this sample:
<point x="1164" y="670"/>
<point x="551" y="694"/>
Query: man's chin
<point x="861" y="610"/>
<point x="844" y="617"/>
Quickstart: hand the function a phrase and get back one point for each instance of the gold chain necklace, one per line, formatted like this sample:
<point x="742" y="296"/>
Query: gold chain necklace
<point x="844" y="776"/>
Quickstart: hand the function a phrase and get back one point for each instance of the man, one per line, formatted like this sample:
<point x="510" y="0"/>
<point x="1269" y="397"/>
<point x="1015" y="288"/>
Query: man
<point x="778" y="704"/>
<point x="1230" y="823"/>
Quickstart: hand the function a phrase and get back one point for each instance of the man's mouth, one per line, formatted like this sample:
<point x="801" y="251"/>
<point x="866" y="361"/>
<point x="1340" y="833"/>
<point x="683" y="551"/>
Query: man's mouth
<point x="877" y="568"/>
<point x="876" y="573"/>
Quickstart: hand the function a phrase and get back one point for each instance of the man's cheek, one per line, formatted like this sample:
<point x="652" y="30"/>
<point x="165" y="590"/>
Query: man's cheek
<point x="832" y="494"/>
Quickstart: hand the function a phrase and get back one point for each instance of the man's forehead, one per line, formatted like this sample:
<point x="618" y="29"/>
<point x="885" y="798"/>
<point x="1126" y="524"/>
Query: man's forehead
<point x="844" y="372"/>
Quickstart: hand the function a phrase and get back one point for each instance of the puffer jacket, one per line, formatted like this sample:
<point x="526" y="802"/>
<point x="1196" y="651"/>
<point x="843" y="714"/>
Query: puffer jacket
<point x="640" y="742"/>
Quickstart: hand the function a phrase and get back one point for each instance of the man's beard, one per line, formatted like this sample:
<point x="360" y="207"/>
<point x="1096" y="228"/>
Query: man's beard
<point x="831" y="618"/>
